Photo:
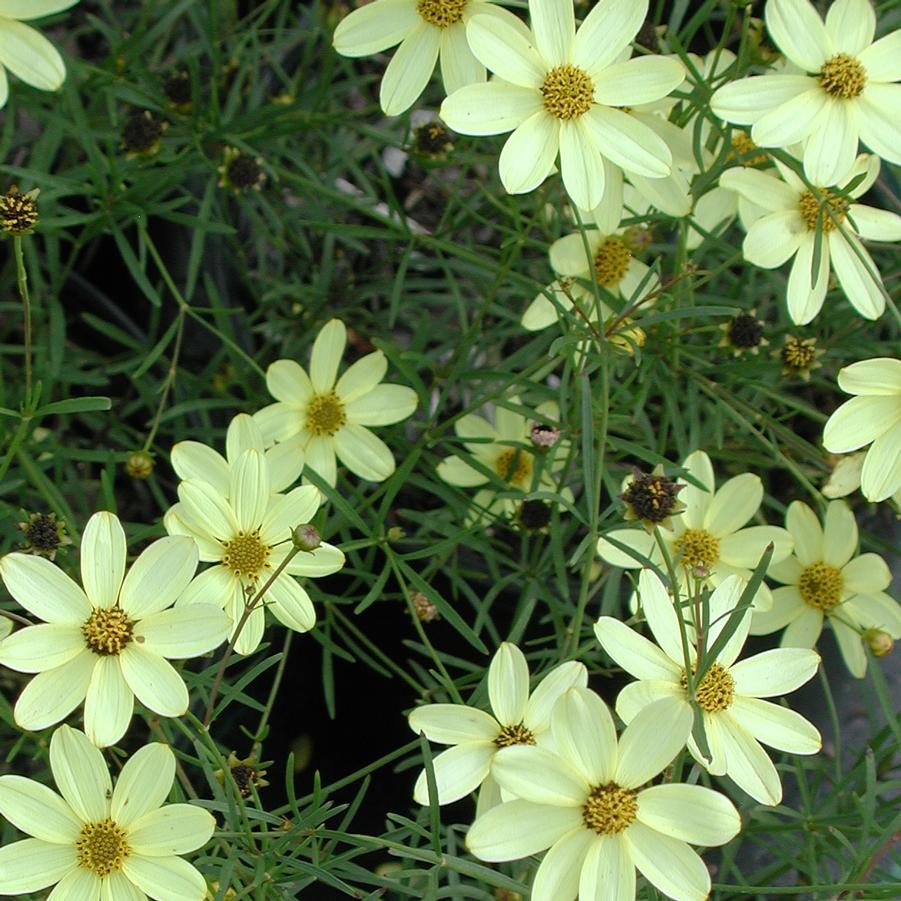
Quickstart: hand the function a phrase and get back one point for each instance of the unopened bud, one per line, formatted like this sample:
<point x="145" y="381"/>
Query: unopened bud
<point x="544" y="435"/>
<point x="880" y="643"/>
<point x="306" y="537"/>
<point x="424" y="609"/>
<point x="395" y="533"/>
<point x="139" y="465"/>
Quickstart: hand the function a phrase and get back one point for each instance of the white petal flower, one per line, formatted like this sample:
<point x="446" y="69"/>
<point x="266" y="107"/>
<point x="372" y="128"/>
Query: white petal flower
<point x="560" y="91"/>
<point x="585" y="803"/>
<point x="476" y="736"/>
<point x="107" y="644"/>
<point x="825" y="579"/>
<point x="729" y="694"/>
<point x="427" y="31"/>
<point x="96" y="840"/>
<point x="852" y="94"/>
<point x="331" y="416"/>
<point x="797" y="220"/>
<point x="872" y="417"/>
<point x="708" y="540"/>
<point x="247" y="533"/>
<point x="508" y="469"/>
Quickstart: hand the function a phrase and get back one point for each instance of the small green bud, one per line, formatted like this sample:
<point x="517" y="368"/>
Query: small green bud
<point x="306" y="537"/>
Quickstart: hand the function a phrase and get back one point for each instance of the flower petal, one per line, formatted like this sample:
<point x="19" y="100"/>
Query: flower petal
<point x="747" y="763"/>
<point x="453" y="724"/>
<point x="880" y="128"/>
<point x="880" y="477"/>
<point x="734" y="503"/>
<point x="851" y="25"/>
<point x="287" y="380"/>
<point x="382" y="405"/>
<point x="633" y="652"/>
<point x="165" y="877"/>
<point x="501" y="44"/>
<point x="540" y="776"/>
<point x="30" y="56"/>
<point x="31" y="865"/>
<point x="651" y="740"/>
<point x="859" y="421"/>
<point x="249" y="489"/>
<point x="805" y="296"/>
<point x="109" y="703"/>
<point x="807" y="533"/>
<point x="608" y="871"/>
<point x="541" y="702"/>
<point x="51" y="696"/>
<point x="490" y="109"/>
<point x="776" y="726"/>
<point x="375" y="27"/>
<point x="839" y="534"/>
<point x="193" y="460"/>
<point x="518" y="828"/>
<point x="36" y="649"/>
<point x="44" y="589"/>
<point x="529" y="153"/>
<point x="459" y="66"/>
<point x="404" y="80"/>
<point x="745" y="101"/>
<point x="205" y="512"/>
<point x="508" y="684"/>
<point x="689" y="813"/>
<point x="584" y="735"/>
<point x="643" y="79"/>
<point x="853" y="271"/>
<point x="832" y="145"/>
<point x="667" y="863"/>
<point x="458" y="771"/>
<point x="882" y="59"/>
<point x="37" y="810"/>
<point x="804" y="630"/>
<point x="774" y="239"/>
<point x="628" y="143"/>
<point x="154" y="681"/>
<point x="774" y="672"/>
<point x="794" y="120"/>
<point x="291" y="605"/>
<point x="103" y="552"/>
<point x="159" y="575"/>
<point x="799" y="33"/>
<point x="183" y="632"/>
<point x="364" y="454"/>
<point x="328" y="348"/>
<point x="173" y="829"/>
<point x="866" y="574"/>
<point x="558" y="874"/>
<point x="580" y="164"/>
<point x="144" y="783"/>
<point x="80" y="773"/>
<point x="605" y="33"/>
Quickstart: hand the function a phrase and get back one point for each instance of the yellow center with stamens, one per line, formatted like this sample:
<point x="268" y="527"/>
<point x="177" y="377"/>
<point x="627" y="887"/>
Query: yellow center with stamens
<point x="820" y="586"/>
<point x="716" y="690"/>
<point x="742" y="145"/>
<point x="843" y="76"/>
<point x="698" y="548"/>
<point x="828" y="209"/>
<point x="514" y="735"/>
<point x="246" y="554"/>
<point x="609" y="809"/>
<point x="441" y="13"/>
<point x="326" y="414"/>
<point x="102" y="847"/>
<point x="567" y="92"/>
<point x="514" y="466"/>
<point x="106" y="632"/>
<point x="611" y="262"/>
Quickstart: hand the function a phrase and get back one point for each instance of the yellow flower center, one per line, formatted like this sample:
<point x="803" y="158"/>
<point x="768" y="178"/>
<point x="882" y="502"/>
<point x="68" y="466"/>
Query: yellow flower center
<point x="102" y="847"/>
<point x="827" y="210"/>
<point x="611" y="262"/>
<point x="843" y="76"/>
<point x="514" y="735"/>
<point x="609" y="809"/>
<point x="106" y="632"/>
<point x="715" y="691"/>
<point x="441" y="13"/>
<point x="245" y="554"/>
<point x="514" y="466"/>
<point x="698" y="548"/>
<point x="742" y="145"/>
<point x="567" y="91"/>
<point x="325" y="414"/>
<point x="820" y="586"/>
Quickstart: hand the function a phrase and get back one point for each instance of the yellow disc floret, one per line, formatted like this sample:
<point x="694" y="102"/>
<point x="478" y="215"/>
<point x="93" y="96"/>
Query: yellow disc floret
<point x="609" y="809"/>
<point x="843" y="77"/>
<point x="699" y="549"/>
<point x="106" y="632"/>
<point x="514" y="735"/>
<point x="514" y="466"/>
<point x="102" y="847"/>
<point x="441" y="13"/>
<point x="820" y="586"/>
<point x="827" y="210"/>
<point x="567" y="91"/>
<point x="245" y="554"/>
<point x="326" y="414"/>
<point x="611" y="262"/>
<point x="716" y="690"/>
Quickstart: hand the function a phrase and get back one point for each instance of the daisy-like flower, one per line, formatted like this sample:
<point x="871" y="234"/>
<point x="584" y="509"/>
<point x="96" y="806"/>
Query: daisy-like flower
<point x="247" y="533"/>
<point x="589" y="804"/>
<point x="107" y="644"/>
<point x="825" y="579"/>
<point x="476" y="737"/>
<point x="501" y="449"/>
<point x="193" y="460"/>
<point x="558" y="91"/>
<point x="329" y="416"/>
<point x="798" y="219"/>
<point x="427" y="30"/>
<point x="849" y="95"/>
<point x="97" y="841"/>
<point x="26" y="52"/>
<point x="615" y="268"/>
<point x="707" y="540"/>
<point x="873" y="417"/>
<point x="729" y="694"/>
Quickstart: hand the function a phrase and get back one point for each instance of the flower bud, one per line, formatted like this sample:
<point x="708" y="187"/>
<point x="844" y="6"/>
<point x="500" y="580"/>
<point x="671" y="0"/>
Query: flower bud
<point x="306" y="537"/>
<point x="139" y="465"/>
<point x="879" y="642"/>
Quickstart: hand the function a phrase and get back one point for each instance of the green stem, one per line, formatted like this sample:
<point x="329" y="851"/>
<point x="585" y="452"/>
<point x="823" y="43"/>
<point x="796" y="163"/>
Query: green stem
<point x="22" y="281"/>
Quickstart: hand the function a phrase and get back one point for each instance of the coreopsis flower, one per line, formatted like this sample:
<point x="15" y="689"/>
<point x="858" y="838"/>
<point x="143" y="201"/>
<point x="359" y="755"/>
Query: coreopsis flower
<point x="825" y="579"/>
<point x="589" y="804"/>
<point x="476" y="737"/>
<point x="247" y="533"/>
<point x="560" y="91"/>
<point x="743" y="333"/>
<point x="507" y="459"/>
<point x="872" y="417"/>
<point x="729" y="694"/>
<point x="800" y="221"/>
<point x="26" y="52"/>
<point x="99" y="841"/>
<point x="43" y="534"/>
<point x="651" y="498"/>
<point x="799" y="357"/>
<point x="850" y="94"/>
<point x="581" y="259"/>
<point x="329" y="415"/>
<point x="427" y="30"/>
<point x="108" y="643"/>
<point x="194" y="460"/>
<point x="707" y="540"/>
